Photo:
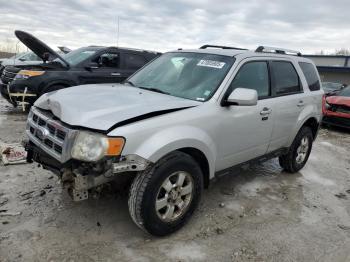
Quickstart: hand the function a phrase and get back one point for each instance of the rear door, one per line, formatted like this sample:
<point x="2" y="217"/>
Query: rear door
<point x="288" y="101"/>
<point x="132" y="61"/>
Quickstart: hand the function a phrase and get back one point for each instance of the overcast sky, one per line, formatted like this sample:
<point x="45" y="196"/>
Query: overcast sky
<point x="306" y="25"/>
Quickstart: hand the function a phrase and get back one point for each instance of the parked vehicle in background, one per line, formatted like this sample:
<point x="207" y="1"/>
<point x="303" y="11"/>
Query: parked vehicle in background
<point x="87" y="65"/>
<point x="27" y="58"/>
<point x="24" y="58"/>
<point x="183" y="119"/>
<point x="331" y="87"/>
<point x="336" y="109"/>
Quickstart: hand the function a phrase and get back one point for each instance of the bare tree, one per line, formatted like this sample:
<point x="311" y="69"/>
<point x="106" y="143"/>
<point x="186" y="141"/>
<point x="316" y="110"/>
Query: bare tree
<point x="12" y="46"/>
<point x="342" y="51"/>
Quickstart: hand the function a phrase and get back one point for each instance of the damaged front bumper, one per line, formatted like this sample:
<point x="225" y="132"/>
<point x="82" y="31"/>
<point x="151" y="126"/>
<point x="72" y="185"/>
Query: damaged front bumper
<point x="80" y="178"/>
<point x="17" y="97"/>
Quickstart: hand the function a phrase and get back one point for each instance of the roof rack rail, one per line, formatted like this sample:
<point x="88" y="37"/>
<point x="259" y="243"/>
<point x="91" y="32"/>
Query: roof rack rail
<point x="277" y="50"/>
<point x="222" y="47"/>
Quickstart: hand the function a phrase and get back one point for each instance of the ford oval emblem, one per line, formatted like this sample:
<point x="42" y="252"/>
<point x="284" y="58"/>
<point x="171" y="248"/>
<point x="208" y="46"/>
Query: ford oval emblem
<point x="42" y="133"/>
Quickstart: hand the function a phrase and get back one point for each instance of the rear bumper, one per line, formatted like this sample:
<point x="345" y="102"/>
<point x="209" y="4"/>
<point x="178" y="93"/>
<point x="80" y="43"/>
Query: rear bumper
<point x="336" y="121"/>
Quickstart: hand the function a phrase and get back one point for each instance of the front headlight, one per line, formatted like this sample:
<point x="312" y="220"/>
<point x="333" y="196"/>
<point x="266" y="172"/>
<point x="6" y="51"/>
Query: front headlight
<point x="328" y="106"/>
<point x="91" y="147"/>
<point x="25" y="74"/>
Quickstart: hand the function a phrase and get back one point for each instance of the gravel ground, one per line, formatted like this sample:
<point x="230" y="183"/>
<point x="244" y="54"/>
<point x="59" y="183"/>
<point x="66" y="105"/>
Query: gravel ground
<point x="257" y="214"/>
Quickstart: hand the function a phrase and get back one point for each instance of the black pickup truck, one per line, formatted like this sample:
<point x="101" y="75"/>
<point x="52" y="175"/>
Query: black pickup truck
<point x="87" y="65"/>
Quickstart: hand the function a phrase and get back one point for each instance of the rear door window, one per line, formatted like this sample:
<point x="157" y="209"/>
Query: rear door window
<point x="311" y="76"/>
<point x="285" y="78"/>
<point x="134" y="61"/>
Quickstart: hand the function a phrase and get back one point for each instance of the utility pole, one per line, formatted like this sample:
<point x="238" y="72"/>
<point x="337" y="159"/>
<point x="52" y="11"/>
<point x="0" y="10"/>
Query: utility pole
<point x="118" y="33"/>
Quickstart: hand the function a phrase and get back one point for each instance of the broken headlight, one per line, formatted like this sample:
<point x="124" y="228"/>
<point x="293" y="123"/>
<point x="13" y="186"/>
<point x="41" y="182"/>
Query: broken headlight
<point x="91" y="147"/>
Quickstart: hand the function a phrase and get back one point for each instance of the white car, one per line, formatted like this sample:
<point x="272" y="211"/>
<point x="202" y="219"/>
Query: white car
<point x="181" y="120"/>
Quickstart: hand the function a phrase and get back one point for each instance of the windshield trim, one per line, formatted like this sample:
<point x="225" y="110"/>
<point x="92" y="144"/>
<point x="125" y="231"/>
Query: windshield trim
<point x="191" y="52"/>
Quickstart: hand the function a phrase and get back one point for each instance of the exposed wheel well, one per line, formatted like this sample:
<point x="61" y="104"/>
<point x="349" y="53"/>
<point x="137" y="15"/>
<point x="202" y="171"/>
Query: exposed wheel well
<point x="201" y="160"/>
<point x="61" y="84"/>
<point x="314" y="125"/>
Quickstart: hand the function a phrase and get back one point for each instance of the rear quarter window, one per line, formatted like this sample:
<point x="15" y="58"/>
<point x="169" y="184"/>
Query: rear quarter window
<point x="311" y="76"/>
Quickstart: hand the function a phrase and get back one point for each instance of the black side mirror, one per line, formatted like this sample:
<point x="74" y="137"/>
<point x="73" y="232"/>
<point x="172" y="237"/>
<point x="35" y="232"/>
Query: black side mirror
<point x="92" y="65"/>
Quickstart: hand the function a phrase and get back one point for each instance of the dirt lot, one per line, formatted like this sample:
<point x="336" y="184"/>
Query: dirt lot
<point x="258" y="214"/>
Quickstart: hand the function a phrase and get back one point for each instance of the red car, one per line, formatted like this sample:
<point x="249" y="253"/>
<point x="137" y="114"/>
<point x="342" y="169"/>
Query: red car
<point x="336" y="109"/>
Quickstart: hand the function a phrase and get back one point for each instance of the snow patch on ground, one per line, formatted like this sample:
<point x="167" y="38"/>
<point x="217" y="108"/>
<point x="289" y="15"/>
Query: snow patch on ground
<point x="186" y="251"/>
<point x="251" y="189"/>
<point x="314" y="177"/>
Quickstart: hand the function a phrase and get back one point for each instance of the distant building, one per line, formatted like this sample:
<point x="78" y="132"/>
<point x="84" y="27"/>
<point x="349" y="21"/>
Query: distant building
<point x="6" y="54"/>
<point x="332" y="68"/>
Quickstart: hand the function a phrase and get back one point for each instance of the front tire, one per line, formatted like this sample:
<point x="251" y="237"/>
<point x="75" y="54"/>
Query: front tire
<point x="299" y="152"/>
<point x="163" y="197"/>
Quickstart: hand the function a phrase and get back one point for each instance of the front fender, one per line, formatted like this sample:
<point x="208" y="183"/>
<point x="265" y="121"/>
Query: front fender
<point x="167" y="140"/>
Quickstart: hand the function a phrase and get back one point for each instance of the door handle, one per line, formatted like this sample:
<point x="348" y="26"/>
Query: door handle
<point x="266" y="111"/>
<point x="115" y="74"/>
<point x="301" y="103"/>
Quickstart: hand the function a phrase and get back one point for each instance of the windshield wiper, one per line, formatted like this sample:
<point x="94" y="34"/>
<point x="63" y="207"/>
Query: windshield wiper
<point x="154" y="90"/>
<point x="129" y="82"/>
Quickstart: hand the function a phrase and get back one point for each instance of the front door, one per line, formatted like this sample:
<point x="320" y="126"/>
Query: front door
<point x="246" y="130"/>
<point x="107" y="70"/>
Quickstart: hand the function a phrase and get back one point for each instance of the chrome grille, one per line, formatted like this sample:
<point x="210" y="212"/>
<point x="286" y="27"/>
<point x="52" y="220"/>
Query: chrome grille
<point x="7" y="76"/>
<point x="343" y="109"/>
<point x="50" y="135"/>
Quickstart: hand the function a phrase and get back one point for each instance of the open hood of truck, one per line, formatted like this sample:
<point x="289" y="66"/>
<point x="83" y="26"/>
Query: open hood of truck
<point x="104" y="106"/>
<point x="38" y="47"/>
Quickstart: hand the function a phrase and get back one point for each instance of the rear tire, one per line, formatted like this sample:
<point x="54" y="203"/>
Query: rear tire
<point x="299" y="152"/>
<point x="163" y="197"/>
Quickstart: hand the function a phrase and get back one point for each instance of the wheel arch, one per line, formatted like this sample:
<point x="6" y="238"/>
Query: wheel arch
<point x="193" y="141"/>
<point x="64" y="83"/>
<point x="202" y="160"/>
<point x="307" y="118"/>
<point x="313" y="124"/>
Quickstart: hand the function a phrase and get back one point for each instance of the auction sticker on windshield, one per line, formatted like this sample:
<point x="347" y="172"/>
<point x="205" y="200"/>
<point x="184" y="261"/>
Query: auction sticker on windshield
<point x="211" y="63"/>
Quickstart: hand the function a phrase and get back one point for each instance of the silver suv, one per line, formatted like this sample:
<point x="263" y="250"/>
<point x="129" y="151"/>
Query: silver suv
<point x="181" y="120"/>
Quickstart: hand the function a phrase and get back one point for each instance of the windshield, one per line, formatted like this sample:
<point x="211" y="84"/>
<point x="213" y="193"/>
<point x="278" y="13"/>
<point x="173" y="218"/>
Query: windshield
<point x="345" y="92"/>
<point x="77" y="56"/>
<point x="30" y="56"/>
<point x="192" y="76"/>
<point x="16" y="56"/>
<point x="331" y="86"/>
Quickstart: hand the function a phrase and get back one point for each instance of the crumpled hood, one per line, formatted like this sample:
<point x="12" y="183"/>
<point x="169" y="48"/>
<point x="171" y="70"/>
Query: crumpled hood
<point x="338" y="100"/>
<point x="104" y="105"/>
